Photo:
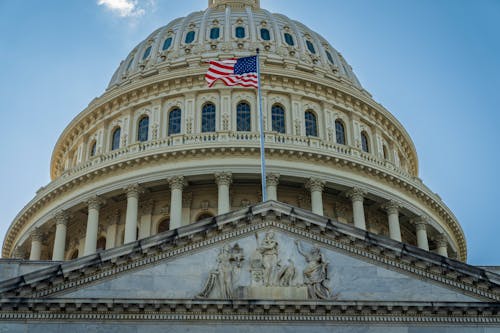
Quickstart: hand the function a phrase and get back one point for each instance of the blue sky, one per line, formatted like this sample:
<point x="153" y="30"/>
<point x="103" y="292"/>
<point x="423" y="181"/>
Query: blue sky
<point x="435" y="64"/>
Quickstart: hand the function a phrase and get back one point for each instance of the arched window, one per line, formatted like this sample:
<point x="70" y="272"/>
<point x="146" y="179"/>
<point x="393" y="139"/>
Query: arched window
<point x="215" y="33"/>
<point x="146" y="53"/>
<point x="330" y="58"/>
<point x="167" y="43"/>
<point x="101" y="244"/>
<point x="278" y="118"/>
<point x="243" y="117"/>
<point x="174" y="121"/>
<point x="189" y="37"/>
<point x="93" y="148"/>
<point x="311" y="124"/>
<point x="164" y="226"/>
<point x="130" y="63"/>
<point x="289" y="39"/>
<point x="386" y="154"/>
<point x="339" y="132"/>
<point x="264" y="34"/>
<point x="239" y="32"/>
<point x="203" y="216"/>
<point x="310" y="47"/>
<point x="208" y="118"/>
<point x="142" y="131"/>
<point x="115" y="142"/>
<point x="364" y="142"/>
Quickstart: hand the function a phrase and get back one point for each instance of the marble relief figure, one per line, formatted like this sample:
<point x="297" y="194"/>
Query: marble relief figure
<point x="268" y="250"/>
<point x="223" y="277"/>
<point x="315" y="273"/>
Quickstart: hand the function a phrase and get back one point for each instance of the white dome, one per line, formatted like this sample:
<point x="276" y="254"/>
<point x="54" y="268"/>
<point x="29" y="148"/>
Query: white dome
<point x="212" y="33"/>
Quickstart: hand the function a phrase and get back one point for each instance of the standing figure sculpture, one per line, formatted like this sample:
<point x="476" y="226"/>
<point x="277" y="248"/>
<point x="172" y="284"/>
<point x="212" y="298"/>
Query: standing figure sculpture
<point x="268" y="249"/>
<point x="315" y="273"/>
<point x="228" y="264"/>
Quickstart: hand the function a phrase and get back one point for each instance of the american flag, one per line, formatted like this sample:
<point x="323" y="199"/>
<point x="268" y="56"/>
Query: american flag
<point x="234" y="72"/>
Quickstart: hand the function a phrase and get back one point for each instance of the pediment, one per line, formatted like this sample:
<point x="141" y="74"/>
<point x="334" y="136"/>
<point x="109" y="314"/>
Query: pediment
<point x="270" y="251"/>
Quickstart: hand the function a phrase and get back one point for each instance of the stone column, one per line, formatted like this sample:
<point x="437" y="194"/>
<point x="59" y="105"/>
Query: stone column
<point x="421" y="228"/>
<point x="358" y="211"/>
<point x="146" y="215"/>
<point x="94" y="204"/>
<point x="223" y="180"/>
<point x="133" y="191"/>
<point x="316" y="186"/>
<point x="176" y="184"/>
<point x="187" y="200"/>
<point x="36" y="244"/>
<point x="442" y="245"/>
<point x="272" y="181"/>
<point x="60" y="238"/>
<point x="392" y="209"/>
<point x="113" y="221"/>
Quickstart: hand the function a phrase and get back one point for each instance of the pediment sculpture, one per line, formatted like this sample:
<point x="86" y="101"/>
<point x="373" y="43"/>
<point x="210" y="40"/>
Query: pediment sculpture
<point x="269" y="275"/>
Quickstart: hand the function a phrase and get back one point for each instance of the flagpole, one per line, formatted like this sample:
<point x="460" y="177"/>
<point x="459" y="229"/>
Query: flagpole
<point x="261" y="126"/>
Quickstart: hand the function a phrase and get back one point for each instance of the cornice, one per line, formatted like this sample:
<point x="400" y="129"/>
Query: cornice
<point x="124" y="160"/>
<point x="240" y="311"/>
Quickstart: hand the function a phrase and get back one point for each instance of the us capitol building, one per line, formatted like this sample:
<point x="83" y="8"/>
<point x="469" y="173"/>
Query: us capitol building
<point x="154" y="219"/>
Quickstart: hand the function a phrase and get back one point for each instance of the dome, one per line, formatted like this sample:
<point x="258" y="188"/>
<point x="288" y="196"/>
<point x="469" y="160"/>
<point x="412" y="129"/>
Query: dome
<point x="233" y="28"/>
<point x="159" y="149"/>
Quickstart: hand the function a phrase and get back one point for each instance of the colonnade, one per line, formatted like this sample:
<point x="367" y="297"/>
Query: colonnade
<point x="223" y="181"/>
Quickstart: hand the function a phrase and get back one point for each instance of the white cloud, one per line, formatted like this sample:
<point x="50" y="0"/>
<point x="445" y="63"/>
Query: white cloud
<point x="124" y="8"/>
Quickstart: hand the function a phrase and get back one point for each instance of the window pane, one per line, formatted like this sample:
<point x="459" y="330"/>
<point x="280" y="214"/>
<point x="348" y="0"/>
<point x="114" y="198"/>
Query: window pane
<point x="240" y="32"/>
<point x="364" y="142"/>
<point x="130" y="63"/>
<point x="330" y="58"/>
<point x="339" y="132"/>
<point x="311" y="128"/>
<point x="208" y="118"/>
<point x="289" y="39"/>
<point x="189" y="37"/>
<point x="146" y="53"/>
<point x="214" y="33"/>
<point x="115" y="144"/>
<point x="264" y="34"/>
<point x="142" y="133"/>
<point x="243" y="117"/>
<point x="92" y="150"/>
<point x="174" y="122"/>
<point x="310" y="47"/>
<point x="167" y="43"/>
<point x="278" y="118"/>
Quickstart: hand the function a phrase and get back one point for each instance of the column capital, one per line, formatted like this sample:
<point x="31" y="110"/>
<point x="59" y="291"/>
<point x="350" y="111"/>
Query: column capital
<point x="95" y="202"/>
<point x="187" y="199"/>
<point x="356" y="194"/>
<point x="420" y="222"/>
<point x="272" y="179"/>
<point x="36" y="235"/>
<point x="147" y="207"/>
<point x="133" y="190"/>
<point x="223" y="178"/>
<point x="61" y="217"/>
<point x="315" y="185"/>
<point x="392" y="207"/>
<point x="176" y="182"/>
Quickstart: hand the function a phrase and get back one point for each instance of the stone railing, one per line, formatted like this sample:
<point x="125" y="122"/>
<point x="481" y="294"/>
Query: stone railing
<point x="272" y="140"/>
